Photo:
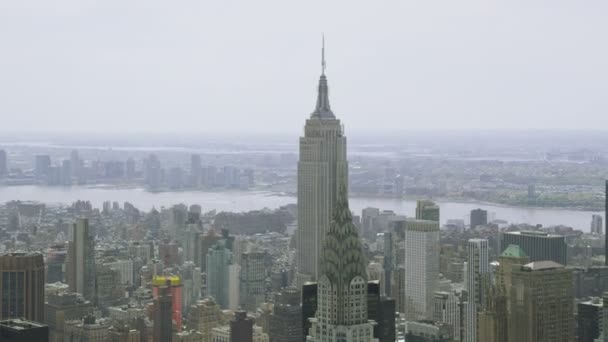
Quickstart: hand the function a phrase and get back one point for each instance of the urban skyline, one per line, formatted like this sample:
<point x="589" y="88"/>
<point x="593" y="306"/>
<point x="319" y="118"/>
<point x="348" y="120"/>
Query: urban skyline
<point x="317" y="270"/>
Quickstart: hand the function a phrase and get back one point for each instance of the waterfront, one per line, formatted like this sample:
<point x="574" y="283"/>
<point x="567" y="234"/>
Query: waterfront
<point x="238" y="201"/>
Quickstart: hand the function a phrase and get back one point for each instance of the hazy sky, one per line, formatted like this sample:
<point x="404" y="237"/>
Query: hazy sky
<point x="201" y="66"/>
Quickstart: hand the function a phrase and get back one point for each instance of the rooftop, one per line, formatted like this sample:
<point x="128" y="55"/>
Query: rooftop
<point x="542" y="266"/>
<point x="20" y="324"/>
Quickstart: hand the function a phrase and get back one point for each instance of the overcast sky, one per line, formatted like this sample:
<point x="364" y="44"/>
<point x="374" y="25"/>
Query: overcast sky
<point x="234" y="66"/>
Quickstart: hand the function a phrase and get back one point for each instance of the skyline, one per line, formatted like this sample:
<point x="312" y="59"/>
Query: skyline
<point x="472" y="65"/>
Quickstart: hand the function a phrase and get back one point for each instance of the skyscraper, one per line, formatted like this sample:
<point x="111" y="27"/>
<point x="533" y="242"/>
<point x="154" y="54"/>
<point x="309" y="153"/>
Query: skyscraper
<point x="218" y="261"/>
<point x="285" y="321"/>
<point x="22" y="286"/>
<point x="479" y="217"/>
<point x="81" y="260"/>
<point x="541" y="303"/>
<point x="477" y="280"/>
<point x="252" y="280"/>
<point x="163" y="323"/>
<point x="173" y="284"/>
<point x="597" y="224"/>
<point x="538" y="245"/>
<point x="322" y="166"/>
<point x="342" y="287"/>
<point x="427" y="210"/>
<point x="589" y="319"/>
<point x="421" y="268"/>
<point x="3" y="164"/>
<point x="42" y="166"/>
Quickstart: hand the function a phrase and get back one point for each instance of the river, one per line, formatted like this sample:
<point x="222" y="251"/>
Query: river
<point x="238" y="201"/>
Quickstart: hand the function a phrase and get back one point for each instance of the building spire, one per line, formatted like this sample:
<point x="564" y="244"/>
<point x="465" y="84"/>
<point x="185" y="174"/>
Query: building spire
<point x="323" y="56"/>
<point x="323" y="110"/>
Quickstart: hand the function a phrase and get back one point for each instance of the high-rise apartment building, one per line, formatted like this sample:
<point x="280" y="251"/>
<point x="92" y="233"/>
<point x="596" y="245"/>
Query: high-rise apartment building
<point x="538" y="245"/>
<point x="342" y="301"/>
<point x="22" y="286"/>
<point x="219" y="259"/>
<point x="81" y="260"/>
<point x="321" y="168"/>
<point x="427" y="210"/>
<point x="61" y="307"/>
<point x="421" y="268"/>
<point x="479" y="217"/>
<point x="477" y="281"/>
<point x="204" y="316"/>
<point x="252" y="280"/>
<point x="448" y="308"/>
<point x="541" y="303"/>
<point x="368" y="216"/>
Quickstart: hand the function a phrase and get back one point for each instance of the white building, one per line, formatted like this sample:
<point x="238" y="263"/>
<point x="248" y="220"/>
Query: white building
<point x="125" y="268"/>
<point x="234" y="295"/>
<point x="477" y="278"/>
<point x="447" y="309"/>
<point x="421" y="268"/>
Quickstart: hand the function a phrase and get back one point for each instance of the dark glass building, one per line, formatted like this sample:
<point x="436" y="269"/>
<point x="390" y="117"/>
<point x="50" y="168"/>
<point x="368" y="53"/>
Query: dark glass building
<point x="479" y="217"/>
<point x="538" y="245"/>
<point x="588" y="320"/>
<point x="19" y="330"/>
<point x="309" y="305"/>
<point x="285" y="322"/>
<point x="241" y="327"/>
<point x="379" y="309"/>
<point x="163" y="321"/>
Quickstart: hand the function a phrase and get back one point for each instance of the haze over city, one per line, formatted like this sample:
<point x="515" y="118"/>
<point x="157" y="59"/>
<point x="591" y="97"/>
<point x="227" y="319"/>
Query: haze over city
<point x="250" y="66"/>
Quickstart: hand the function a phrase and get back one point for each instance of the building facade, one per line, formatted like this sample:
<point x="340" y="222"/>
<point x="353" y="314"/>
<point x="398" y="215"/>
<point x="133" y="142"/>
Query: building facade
<point x="81" y="260"/>
<point x="427" y="210"/>
<point x="541" y="303"/>
<point x="421" y="268"/>
<point x="321" y="167"/>
<point x="342" y="308"/>
<point x="22" y="286"/>
<point x="538" y="245"/>
<point x="218" y="262"/>
<point x="252" y="280"/>
<point x="477" y="281"/>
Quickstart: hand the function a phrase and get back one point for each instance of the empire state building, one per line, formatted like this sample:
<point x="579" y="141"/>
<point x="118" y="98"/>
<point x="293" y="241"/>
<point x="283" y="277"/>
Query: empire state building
<point x="322" y="166"/>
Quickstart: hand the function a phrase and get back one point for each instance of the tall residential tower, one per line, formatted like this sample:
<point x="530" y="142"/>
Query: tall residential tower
<point x="322" y="166"/>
